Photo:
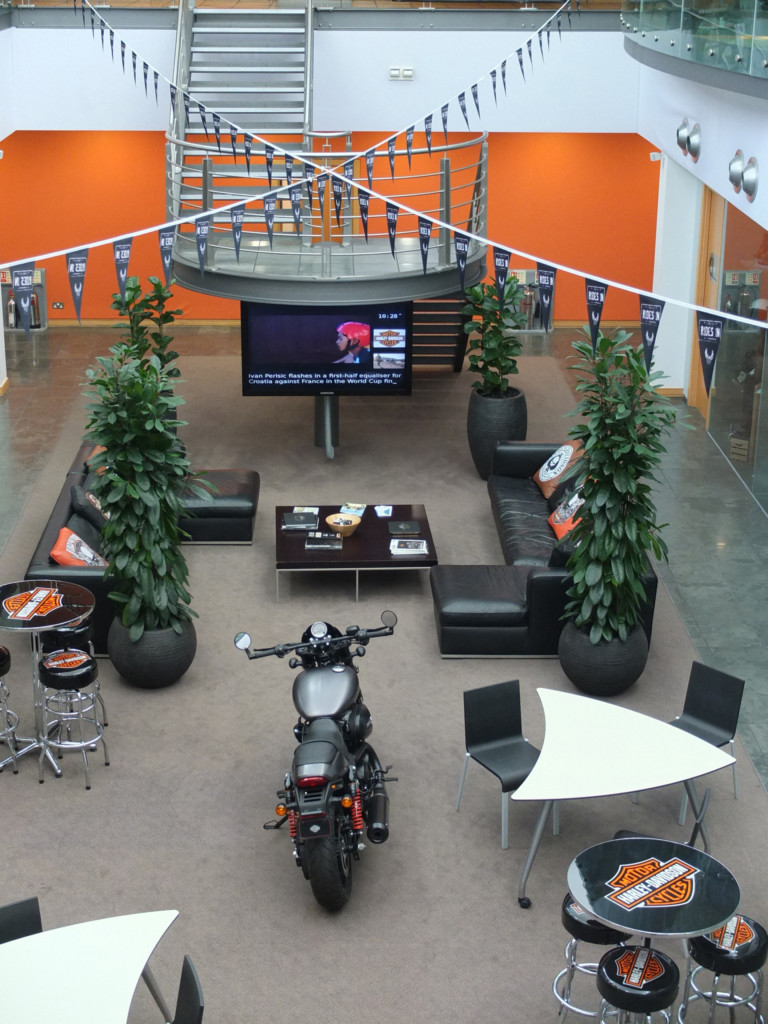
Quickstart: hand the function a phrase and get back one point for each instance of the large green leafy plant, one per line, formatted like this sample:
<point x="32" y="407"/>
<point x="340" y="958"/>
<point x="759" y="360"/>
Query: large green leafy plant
<point x="493" y="348"/>
<point x="139" y="476"/>
<point x="623" y="421"/>
<point x="148" y="316"/>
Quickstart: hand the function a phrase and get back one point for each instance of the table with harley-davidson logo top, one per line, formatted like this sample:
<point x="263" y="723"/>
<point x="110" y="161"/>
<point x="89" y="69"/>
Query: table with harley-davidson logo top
<point x="366" y="549"/>
<point x="35" y="607"/>
<point x="653" y="887"/>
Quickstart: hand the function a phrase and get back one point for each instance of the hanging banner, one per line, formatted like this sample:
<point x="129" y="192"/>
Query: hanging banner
<point x="322" y="181"/>
<point x="370" y="156"/>
<point x="233" y="141"/>
<point x="247" y="146"/>
<point x="202" y="227"/>
<point x="546" y="276"/>
<point x="165" y="237"/>
<point x="595" y="300"/>
<point x="237" y="216"/>
<point x="493" y="83"/>
<point x="122" y="254"/>
<point x="409" y="143"/>
<point x="22" y="280"/>
<point x="520" y="62"/>
<point x="295" y="193"/>
<point x="269" y="156"/>
<point x="391" y="153"/>
<point x="337" y="189"/>
<point x="476" y="99"/>
<point x="500" y="270"/>
<point x="463" y="107"/>
<point x="269" y="216"/>
<point x="444" y="117"/>
<point x="363" y="201"/>
<point x="201" y="111"/>
<point x="504" y="76"/>
<point x="710" y="331"/>
<point x="461" y="245"/>
<point x="425" y="233"/>
<point x="288" y="167"/>
<point x="217" y="130"/>
<point x="650" y="318"/>
<point x="309" y="174"/>
<point x="76" y="263"/>
<point x="428" y="132"/>
<point x="349" y="173"/>
<point x="392" y="225"/>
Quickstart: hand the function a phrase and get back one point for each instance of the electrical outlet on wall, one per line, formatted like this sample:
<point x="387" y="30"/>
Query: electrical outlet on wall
<point x="57" y="305"/>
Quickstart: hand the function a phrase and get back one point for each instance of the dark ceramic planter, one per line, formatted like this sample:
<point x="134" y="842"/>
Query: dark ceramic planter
<point x="604" y="669"/>
<point x="493" y="419"/>
<point x="159" y="658"/>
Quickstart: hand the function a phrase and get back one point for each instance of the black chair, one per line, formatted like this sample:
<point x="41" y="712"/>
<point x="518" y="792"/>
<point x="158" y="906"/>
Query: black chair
<point x="624" y="833"/>
<point x="17" y="920"/>
<point x="711" y="712"/>
<point x="189" y="1003"/>
<point x="493" y="732"/>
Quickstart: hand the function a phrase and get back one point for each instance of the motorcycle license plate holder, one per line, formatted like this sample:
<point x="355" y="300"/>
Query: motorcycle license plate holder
<point x="314" y="828"/>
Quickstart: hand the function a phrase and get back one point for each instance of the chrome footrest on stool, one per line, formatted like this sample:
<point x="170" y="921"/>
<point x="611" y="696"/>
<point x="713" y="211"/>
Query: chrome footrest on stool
<point x="728" y="1000"/>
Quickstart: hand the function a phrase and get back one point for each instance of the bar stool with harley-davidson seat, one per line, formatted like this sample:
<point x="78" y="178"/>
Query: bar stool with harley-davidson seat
<point x="582" y="928"/>
<point x="72" y="722"/>
<point x="636" y="982"/>
<point x="8" y="719"/>
<point x="737" y="949"/>
<point x="77" y="638"/>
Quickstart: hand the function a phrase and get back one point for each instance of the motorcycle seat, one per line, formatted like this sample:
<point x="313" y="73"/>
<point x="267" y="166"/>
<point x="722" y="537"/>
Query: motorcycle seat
<point x="324" y="729"/>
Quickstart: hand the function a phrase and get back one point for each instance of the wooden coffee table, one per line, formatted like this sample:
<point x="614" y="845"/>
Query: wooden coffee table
<point x="366" y="549"/>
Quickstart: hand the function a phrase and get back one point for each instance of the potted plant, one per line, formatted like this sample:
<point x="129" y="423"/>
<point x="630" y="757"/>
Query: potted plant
<point x="144" y="311"/>
<point x="497" y="410"/>
<point x="603" y="647"/>
<point x="140" y="470"/>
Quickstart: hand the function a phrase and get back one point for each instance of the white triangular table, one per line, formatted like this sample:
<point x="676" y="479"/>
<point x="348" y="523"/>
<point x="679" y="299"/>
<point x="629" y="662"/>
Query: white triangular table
<point x="82" y="973"/>
<point x="592" y="748"/>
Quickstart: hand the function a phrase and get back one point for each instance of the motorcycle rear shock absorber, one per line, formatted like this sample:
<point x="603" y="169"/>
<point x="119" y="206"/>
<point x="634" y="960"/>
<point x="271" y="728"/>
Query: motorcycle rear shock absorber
<point x="357" y="813"/>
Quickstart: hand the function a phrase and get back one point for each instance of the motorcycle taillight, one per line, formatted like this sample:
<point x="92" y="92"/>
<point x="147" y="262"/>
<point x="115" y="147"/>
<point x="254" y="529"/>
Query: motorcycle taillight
<point x="310" y="781"/>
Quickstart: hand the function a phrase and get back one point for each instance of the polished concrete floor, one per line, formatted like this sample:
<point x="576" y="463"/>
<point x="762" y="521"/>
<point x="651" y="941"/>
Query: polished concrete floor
<point x="717" y="534"/>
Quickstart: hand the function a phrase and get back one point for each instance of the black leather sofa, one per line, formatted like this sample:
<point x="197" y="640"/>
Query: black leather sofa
<point x="226" y="515"/>
<point x="515" y="608"/>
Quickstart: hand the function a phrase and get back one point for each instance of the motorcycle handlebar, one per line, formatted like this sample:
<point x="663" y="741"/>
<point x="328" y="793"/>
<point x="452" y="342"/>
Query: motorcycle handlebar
<point x="353" y="634"/>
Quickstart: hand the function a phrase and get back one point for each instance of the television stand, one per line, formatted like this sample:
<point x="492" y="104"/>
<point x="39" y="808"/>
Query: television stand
<point x="327" y="423"/>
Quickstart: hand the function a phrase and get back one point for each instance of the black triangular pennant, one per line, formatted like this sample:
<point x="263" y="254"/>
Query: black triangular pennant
<point x="112" y="42"/>
<point x="461" y="247"/>
<point x="165" y="238"/>
<point x="546" y="276"/>
<point x="363" y="200"/>
<point x="76" y="264"/>
<point x="217" y="129"/>
<point x="247" y="146"/>
<point x="650" y="318"/>
<point x="463" y="107"/>
<point x="392" y="225"/>
<point x="428" y="132"/>
<point x="201" y="111"/>
<point x="520" y="62"/>
<point x="710" y="331"/>
<point x="309" y="174"/>
<point x="595" y="301"/>
<point x="391" y="153"/>
<point x="529" y="47"/>
<point x="233" y="141"/>
<point x="237" y="216"/>
<point x="134" y="58"/>
<point x="349" y="174"/>
<point x="504" y="76"/>
<point x="476" y="99"/>
<point x="145" y="73"/>
<point x="337" y="188"/>
<point x="493" y="83"/>
<point x="269" y="215"/>
<point x="409" y="143"/>
<point x="122" y="54"/>
<point x="288" y="159"/>
<point x="370" y="156"/>
<point x="322" y="181"/>
<point x="202" y="227"/>
<point x="155" y="82"/>
<point x="500" y="271"/>
<point x="425" y="233"/>
<point x="444" y="117"/>
<point x="269" y="156"/>
<point x="121" y="250"/>
<point x="295" y="194"/>
<point x="22" y="281"/>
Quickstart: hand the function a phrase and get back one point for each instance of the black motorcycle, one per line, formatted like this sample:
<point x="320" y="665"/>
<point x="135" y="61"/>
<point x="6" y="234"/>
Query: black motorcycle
<point x="335" y="790"/>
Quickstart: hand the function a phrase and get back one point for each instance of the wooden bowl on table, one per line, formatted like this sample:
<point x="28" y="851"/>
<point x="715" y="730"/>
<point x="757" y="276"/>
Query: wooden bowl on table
<point x="344" y="523"/>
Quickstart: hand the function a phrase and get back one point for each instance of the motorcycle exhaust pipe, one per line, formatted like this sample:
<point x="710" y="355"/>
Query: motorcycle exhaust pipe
<point x="378" y="815"/>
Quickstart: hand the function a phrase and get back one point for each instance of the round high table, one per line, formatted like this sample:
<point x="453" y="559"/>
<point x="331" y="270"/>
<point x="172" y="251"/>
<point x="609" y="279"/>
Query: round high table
<point x="35" y="607"/>
<point x="653" y="887"/>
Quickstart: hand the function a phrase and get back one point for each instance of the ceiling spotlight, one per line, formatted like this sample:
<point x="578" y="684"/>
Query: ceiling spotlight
<point x="689" y="139"/>
<point x="736" y="169"/>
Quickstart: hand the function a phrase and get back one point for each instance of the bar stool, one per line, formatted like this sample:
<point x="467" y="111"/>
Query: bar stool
<point x="71" y="705"/>
<point x="582" y="928"/>
<point x="738" y="949"/>
<point x="8" y="719"/>
<point x="77" y="638"/>
<point x="636" y="981"/>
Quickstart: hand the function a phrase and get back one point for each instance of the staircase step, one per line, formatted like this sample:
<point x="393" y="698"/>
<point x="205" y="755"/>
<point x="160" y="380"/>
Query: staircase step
<point x="247" y="49"/>
<point x="249" y="30"/>
<point x="196" y="89"/>
<point x="247" y="69"/>
<point x="239" y="12"/>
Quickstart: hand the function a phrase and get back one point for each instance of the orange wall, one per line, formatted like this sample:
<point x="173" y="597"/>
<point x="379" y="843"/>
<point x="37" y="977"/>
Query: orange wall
<point x="587" y="201"/>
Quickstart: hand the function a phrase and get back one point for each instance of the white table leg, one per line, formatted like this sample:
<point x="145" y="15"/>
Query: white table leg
<point x="538" y="832"/>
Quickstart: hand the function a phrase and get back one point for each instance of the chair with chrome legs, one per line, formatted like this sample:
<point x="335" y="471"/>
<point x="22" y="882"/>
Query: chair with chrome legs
<point x="17" y="920"/>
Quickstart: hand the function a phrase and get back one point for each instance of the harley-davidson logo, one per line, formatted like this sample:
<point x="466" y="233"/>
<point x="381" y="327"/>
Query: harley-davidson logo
<point x="653" y="883"/>
<point x="733" y="933"/>
<point x="66" y="659"/>
<point x="639" y="966"/>
<point x="39" y="601"/>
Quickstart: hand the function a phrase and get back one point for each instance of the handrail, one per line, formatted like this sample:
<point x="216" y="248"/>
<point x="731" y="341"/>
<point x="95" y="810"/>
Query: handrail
<point x="309" y="49"/>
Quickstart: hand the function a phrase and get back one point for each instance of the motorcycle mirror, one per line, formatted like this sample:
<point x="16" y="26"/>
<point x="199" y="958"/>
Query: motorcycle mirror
<point x="242" y="641"/>
<point x="389" y="619"/>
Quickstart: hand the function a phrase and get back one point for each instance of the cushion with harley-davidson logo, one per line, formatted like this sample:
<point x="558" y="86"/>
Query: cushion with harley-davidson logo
<point x="70" y="549"/>
<point x="548" y="476"/>
<point x="565" y="516"/>
<point x="87" y="505"/>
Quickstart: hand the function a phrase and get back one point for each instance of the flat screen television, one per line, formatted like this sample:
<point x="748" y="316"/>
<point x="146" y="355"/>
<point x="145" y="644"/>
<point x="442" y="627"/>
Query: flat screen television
<point x="350" y="349"/>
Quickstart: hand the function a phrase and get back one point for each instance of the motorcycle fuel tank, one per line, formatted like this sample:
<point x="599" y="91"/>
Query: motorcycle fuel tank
<point x="325" y="691"/>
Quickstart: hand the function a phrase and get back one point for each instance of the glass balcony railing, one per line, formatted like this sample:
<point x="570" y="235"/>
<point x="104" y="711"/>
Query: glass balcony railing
<point x="729" y="36"/>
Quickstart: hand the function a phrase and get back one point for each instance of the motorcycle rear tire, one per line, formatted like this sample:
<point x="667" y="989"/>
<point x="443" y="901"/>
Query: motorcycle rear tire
<point x="329" y="868"/>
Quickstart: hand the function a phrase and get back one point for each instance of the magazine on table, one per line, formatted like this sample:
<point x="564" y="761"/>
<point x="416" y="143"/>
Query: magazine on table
<point x="406" y="546"/>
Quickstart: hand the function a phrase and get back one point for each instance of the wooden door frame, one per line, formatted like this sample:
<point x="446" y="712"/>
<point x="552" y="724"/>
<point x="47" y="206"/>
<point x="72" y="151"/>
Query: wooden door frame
<point x="711" y="238"/>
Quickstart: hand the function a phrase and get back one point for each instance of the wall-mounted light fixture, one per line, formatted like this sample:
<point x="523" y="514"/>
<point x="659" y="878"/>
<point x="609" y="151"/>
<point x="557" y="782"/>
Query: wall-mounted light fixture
<point x="689" y="139"/>
<point x="743" y="175"/>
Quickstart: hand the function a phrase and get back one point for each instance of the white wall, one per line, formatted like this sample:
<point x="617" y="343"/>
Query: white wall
<point x="7" y="121"/>
<point x="63" y="81"/>
<point x="564" y="92"/>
